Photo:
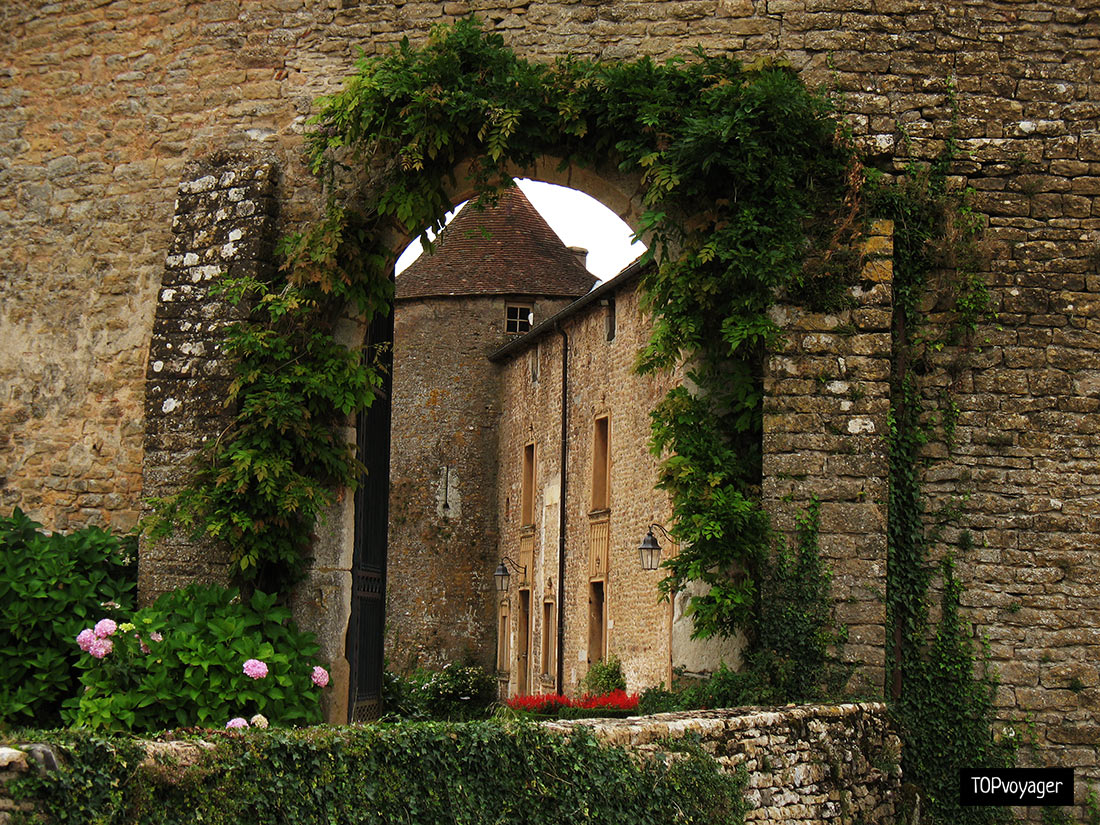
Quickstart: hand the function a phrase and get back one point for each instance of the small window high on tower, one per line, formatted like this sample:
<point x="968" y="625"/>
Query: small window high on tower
<point x="517" y="318"/>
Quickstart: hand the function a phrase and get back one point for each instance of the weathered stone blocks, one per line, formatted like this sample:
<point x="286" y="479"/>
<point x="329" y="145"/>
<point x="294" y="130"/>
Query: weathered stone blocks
<point x="187" y="379"/>
<point x="807" y="764"/>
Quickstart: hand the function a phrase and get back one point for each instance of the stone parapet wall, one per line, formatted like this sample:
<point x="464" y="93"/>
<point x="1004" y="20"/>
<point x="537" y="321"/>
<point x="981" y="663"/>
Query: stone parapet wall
<point x="805" y="764"/>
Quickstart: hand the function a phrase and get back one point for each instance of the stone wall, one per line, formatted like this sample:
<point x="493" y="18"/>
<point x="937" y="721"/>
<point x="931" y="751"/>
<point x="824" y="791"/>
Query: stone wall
<point x="805" y="764"/>
<point x="102" y="104"/>
<point x="827" y="395"/>
<point x="809" y="764"/>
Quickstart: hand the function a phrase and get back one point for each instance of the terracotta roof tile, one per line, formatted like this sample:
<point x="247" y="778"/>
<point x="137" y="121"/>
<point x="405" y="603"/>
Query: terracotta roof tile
<point x="507" y="249"/>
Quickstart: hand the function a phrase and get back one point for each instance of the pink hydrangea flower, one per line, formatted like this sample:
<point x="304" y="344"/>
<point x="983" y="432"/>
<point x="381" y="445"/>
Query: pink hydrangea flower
<point x="85" y="638"/>
<point x="100" y="648"/>
<point x="236" y="722"/>
<point x="105" y="628"/>
<point x="319" y="676"/>
<point x="156" y="637"/>
<point x="255" y="668"/>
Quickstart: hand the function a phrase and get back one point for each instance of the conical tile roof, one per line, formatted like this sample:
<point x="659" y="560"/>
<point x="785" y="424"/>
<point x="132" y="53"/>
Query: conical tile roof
<point x="506" y="249"/>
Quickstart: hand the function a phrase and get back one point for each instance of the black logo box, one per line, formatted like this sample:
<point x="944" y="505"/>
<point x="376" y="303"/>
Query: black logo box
<point x="1044" y="787"/>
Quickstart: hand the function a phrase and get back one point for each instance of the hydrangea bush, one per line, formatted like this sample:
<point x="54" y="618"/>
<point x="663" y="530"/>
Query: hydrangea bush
<point x="198" y="656"/>
<point x="51" y="585"/>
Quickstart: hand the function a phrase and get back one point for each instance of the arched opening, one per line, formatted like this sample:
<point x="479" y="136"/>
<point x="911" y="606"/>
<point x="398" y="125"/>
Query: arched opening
<point x="488" y="465"/>
<point x="444" y="499"/>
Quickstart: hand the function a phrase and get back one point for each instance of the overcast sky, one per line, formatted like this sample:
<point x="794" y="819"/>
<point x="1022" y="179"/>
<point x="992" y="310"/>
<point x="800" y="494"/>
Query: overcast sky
<point x="579" y="220"/>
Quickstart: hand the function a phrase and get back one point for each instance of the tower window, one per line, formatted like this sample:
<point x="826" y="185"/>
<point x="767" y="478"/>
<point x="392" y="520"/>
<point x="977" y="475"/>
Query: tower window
<point x="601" y="464"/>
<point x="517" y="317"/>
<point x="527" y="486"/>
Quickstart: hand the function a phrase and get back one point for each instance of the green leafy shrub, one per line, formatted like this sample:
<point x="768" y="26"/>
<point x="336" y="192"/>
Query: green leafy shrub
<point x="455" y="693"/>
<point x="604" y="676"/>
<point x="724" y="688"/>
<point x="50" y="585"/>
<point x="181" y="662"/>
<point x="789" y="656"/>
<point x="424" y="773"/>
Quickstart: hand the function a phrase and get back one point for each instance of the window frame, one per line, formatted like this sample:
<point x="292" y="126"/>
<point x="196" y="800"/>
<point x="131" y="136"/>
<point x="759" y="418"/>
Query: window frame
<point x="521" y="323"/>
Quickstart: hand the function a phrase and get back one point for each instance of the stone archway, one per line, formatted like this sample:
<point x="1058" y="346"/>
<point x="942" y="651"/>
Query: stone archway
<point x="225" y="222"/>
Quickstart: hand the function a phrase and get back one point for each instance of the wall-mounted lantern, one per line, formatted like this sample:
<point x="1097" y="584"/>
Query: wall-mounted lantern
<point x="649" y="551"/>
<point x="501" y="574"/>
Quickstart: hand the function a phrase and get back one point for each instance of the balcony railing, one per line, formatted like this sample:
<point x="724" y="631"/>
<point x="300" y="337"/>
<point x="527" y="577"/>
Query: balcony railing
<point x="527" y="557"/>
<point x="599" y="540"/>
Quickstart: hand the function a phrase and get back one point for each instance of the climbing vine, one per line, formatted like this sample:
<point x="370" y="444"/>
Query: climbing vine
<point x="262" y="483"/>
<point x="748" y="189"/>
<point x="427" y="773"/>
<point x="940" y="679"/>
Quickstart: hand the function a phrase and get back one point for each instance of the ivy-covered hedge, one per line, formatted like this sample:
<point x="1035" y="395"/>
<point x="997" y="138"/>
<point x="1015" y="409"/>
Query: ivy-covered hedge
<point x="51" y="585"/>
<point x="451" y="774"/>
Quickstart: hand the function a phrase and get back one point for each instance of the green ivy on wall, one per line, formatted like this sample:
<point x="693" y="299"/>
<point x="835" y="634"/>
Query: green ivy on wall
<point x="942" y="686"/>
<point x="425" y="773"/>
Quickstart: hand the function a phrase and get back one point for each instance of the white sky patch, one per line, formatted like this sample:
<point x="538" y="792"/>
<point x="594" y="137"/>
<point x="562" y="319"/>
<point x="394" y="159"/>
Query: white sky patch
<point x="578" y="219"/>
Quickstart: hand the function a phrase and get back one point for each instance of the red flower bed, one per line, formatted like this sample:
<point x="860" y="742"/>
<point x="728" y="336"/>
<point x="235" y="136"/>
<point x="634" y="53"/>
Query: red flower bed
<point x="539" y="702"/>
<point x="550" y="703"/>
<point x="615" y="700"/>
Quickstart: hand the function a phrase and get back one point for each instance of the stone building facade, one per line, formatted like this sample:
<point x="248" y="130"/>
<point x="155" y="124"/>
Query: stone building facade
<point x="104" y="103"/>
<point x="575" y="497"/>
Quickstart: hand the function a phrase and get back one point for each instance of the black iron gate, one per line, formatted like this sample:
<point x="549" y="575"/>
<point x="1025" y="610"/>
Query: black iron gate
<point x="368" y="594"/>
